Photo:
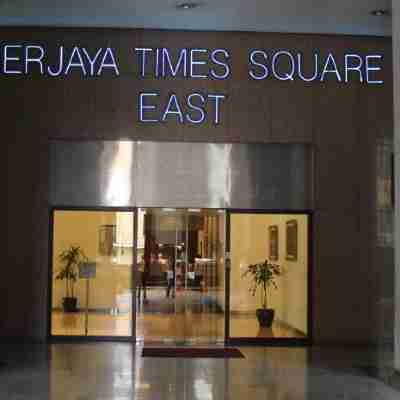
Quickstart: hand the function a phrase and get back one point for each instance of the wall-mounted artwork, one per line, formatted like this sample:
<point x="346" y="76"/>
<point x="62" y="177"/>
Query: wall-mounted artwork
<point x="106" y="239"/>
<point x="291" y="240"/>
<point x="273" y="237"/>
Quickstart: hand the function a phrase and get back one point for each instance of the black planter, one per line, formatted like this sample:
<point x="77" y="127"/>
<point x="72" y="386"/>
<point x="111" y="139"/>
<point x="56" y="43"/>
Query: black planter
<point x="70" y="304"/>
<point x="265" y="317"/>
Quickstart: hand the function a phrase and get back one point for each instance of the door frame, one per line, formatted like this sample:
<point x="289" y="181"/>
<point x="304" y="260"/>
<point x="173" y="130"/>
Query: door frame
<point x="83" y="338"/>
<point x="227" y="339"/>
<point x="295" y="342"/>
<point x="223" y="338"/>
<point x="134" y="276"/>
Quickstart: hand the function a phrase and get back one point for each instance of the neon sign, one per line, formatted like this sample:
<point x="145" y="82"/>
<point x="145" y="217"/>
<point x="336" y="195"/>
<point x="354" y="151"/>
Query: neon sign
<point x="192" y="110"/>
<point x="18" y="59"/>
<point x="289" y="66"/>
<point x="191" y="64"/>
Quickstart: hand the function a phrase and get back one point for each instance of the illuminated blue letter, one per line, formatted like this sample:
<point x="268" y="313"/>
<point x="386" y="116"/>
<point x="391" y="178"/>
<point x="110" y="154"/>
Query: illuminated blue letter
<point x="348" y="67"/>
<point x="38" y="59"/>
<point x="193" y="63"/>
<point x="300" y="72"/>
<point x="173" y="108"/>
<point x="370" y="68"/>
<point x="143" y="51"/>
<point x="166" y="59"/>
<point x="196" y="108"/>
<point x="78" y="64"/>
<point x="157" y="66"/>
<point x="223" y="64"/>
<point x="288" y="76"/>
<point x="60" y="65"/>
<point x="217" y="98"/>
<point x="265" y="72"/>
<point x="7" y="58"/>
<point x="92" y="61"/>
<point x="112" y="64"/>
<point x="143" y="107"/>
<point x="325" y="70"/>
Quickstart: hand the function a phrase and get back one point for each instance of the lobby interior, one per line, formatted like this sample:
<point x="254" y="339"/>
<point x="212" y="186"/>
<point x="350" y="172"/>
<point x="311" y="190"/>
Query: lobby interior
<point x="177" y="285"/>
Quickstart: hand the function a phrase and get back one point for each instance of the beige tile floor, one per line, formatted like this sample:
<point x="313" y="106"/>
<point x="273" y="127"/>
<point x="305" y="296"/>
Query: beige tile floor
<point x="73" y="324"/>
<point x="157" y="326"/>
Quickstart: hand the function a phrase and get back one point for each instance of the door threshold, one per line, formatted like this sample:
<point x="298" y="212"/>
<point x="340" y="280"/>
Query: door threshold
<point x="179" y="343"/>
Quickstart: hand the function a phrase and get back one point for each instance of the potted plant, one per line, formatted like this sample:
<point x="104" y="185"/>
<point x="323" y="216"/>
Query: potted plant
<point x="70" y="260"/>
<point x="263" y="276"/>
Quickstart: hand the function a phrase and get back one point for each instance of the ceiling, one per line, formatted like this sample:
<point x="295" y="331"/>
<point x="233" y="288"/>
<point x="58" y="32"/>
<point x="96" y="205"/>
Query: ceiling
<point x="309" y="16"/>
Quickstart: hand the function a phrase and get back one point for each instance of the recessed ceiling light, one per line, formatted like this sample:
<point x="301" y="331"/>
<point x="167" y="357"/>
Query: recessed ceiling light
<point x="380" y="13"/>
<point x="187" y="6"/>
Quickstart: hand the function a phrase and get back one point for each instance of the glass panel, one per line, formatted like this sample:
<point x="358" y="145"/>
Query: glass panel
<point x="283" y="240"/>
<point x="92" y="271"/>
<point x="181" y="264"/>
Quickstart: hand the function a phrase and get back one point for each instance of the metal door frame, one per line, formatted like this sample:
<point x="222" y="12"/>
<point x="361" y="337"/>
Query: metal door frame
<point x="83" y="338"/>
<point x="187" y="342"/>
<point x="295" y="342"/>
<point x="227" y="339"/>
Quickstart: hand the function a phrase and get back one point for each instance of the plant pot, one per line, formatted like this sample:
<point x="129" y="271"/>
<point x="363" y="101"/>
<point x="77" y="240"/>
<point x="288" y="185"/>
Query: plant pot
<point x="265" y="317"/>
<point x="70" y="304"/>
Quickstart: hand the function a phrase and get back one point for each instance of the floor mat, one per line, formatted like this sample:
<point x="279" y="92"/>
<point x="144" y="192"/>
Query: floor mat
<point x="192" y="352"/>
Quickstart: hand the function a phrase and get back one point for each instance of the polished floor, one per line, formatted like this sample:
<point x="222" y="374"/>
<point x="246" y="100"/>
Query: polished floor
<point x="191" y="315"/>
<point x="116" y="371"/>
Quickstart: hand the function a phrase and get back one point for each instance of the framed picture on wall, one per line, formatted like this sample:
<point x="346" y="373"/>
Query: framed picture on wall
<point x="291" y="240"/>
<point x="392" y="181"/>
<point x="273" y="237"/>
<point x="106" y="239"/>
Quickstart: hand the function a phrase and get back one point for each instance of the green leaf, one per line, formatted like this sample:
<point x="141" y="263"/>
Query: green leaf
<point x="263" y="276"/>
<point x="70" y="259"/>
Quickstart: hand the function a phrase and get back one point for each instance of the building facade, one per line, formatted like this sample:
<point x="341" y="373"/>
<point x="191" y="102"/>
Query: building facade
<point x="327" y="99"/>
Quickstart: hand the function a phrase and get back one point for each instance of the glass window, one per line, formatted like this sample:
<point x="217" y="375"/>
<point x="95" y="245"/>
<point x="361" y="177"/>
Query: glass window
<point x="92" y="273"/>
<point x="269" y="275"/>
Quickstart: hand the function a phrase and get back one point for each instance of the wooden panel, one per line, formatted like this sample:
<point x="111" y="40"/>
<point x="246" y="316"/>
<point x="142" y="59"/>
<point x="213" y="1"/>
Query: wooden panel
<point x="341" y="286"/>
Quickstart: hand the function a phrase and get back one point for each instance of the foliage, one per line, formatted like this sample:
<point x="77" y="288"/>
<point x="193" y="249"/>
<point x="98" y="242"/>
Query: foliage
<point x="263" y="275"/>
<point x="70" y="260"/>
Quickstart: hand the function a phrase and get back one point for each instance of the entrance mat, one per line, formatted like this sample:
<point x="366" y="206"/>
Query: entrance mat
<point x="192" y="352"/>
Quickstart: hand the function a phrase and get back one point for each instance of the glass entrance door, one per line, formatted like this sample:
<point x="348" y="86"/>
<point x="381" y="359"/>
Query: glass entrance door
<point x="180" y="296"/>
<point x="92" y="273"/>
